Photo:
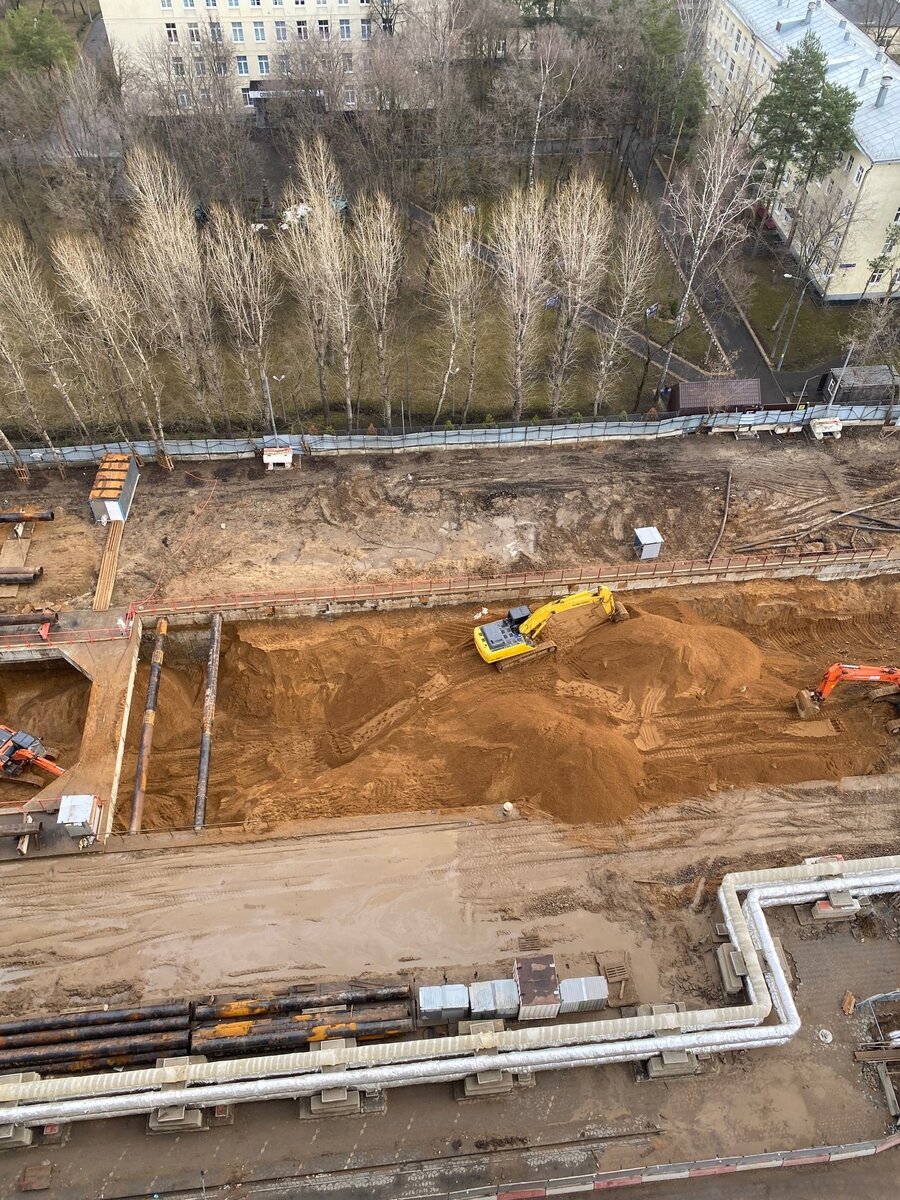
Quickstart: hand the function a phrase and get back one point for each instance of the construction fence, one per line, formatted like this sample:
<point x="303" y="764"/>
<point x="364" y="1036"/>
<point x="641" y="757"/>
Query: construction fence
<point x="634" y="428"/>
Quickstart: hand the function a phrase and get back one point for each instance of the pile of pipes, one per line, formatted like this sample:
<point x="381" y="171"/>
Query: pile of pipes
<point x="106" y="1039"/>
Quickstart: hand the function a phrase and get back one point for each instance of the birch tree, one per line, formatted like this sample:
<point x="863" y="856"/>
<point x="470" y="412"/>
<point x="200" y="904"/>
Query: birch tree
<point x="580" y="230"/>
<point x="707" y="204"/>
<point x="633" y="267"/>
<point x="11" y="366"/>
<point x="29" y="318"/>
<point x="378" y="240"/>
<point x="520" y="244"/>
<point x="165" y="255"/>
<point x="242" y="276"/>
<point x="102" y="292"/>
<point x="319" y="182"/>
<point x="557" y="61"/>
<point x="457" y="281"/>
<point x="296" y="256"/>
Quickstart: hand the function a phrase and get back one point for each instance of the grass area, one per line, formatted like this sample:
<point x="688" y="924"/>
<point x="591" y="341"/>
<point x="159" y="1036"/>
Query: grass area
<point x="74" y="15"/>
<point x="822" y="331"/>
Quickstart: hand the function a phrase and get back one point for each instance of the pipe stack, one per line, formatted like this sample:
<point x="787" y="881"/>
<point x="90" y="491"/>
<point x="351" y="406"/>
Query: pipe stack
<point x="107" y="1039"/>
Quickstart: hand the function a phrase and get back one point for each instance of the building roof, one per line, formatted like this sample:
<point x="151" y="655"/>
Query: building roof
<point x="850" y="53"/>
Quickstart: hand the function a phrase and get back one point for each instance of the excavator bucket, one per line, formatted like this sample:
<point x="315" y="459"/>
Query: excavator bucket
<point x="807" y="705"/>
<point x="620" y="612"/>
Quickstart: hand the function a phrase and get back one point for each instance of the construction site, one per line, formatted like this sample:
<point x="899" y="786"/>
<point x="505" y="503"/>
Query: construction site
<point x="499" y="824"/>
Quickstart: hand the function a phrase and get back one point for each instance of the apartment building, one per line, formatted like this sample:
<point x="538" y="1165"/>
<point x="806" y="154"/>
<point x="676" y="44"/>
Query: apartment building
<point x="746" y="40"/>
<point x="255" y="33"/>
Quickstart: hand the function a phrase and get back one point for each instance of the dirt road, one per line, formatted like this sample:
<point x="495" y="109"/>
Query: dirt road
<point x="215" y="527"/>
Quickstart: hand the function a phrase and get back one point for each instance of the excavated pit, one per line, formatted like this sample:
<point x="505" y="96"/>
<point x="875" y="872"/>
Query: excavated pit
<point x="380" y="713"/>
<point x="49" y="701"/>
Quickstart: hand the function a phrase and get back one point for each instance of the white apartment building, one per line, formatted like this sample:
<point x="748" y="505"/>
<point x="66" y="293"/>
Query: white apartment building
<point x="254" y="32"/>
<point x="746" y="39"/>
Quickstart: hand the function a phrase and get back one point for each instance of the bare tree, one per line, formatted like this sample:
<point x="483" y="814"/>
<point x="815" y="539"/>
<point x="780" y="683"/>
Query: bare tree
<point x="633" y="267"/>
<point x="331" y="250"/>
<point x="11" y="365"/>
<point x="707" y="203"/>
<point x="457" y="281"/>
<point x="296" y="255"/>
<point x="29" y="318"/>
<point x="520" y="244"/>
<point x="378" y="239"/>
<point x="557" y="62"/>
<point x="101" y="290"/>
<point x="581" y="227"/>
<point x="242" y="276"/>
<point x="165" y="254"/>
<point x="881" y="19"/>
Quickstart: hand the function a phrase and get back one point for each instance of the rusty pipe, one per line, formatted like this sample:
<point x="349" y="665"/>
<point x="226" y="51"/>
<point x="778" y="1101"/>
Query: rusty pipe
<point x="146" y="743"/>
<point x="81" y="1033"/>
<point x="231" y="1047"/>
<point x="305" y="1020"/>
<point x="209" y="716"/>
<point x="175" y="1042"/>
<point x="99" y="1016"/>
<point x="45" y="618"/>
<point x="13" y="518"/>
<point x="90" y="1065"/>
<point x="258" y="1006"/>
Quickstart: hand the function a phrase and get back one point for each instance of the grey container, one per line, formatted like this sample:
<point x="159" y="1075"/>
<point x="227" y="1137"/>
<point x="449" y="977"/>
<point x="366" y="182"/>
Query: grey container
<point x="438" y="1005"/>
<point x="587" y="994"/>
<point x="494" y="998"/>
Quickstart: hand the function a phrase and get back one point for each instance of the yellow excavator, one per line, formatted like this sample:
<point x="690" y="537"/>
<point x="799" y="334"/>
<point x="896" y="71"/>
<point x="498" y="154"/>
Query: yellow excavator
<point x="510" y="642"/>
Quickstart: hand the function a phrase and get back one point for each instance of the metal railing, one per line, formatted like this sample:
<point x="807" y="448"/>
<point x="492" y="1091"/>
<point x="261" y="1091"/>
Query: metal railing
<point x="636" y="427"/>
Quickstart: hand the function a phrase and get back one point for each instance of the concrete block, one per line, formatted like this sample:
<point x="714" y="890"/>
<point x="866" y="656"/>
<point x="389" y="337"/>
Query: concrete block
<point x="713" y="1166"/>
<point x="858" y="1150"/>
<point x="672" y="1064"/>
<point x="759" y="1162"/>
<point x="15" y="1137"/>
<point x="177" y="1118"/>
<point x="732" y="968"/>
<point x="667" y="1171"/>
<point x="574" y="1183"/>
<point x="617" y="1179"/>
<point x="335" y="1102"/>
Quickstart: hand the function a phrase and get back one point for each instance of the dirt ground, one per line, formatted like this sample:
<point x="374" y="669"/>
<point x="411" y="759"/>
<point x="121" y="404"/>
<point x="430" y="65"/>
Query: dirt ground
<point x="380" y="713"/>
<point x="213" y="528"/>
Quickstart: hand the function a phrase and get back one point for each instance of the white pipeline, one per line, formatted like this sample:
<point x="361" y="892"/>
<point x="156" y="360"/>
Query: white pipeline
<point x="548" y="1047"/>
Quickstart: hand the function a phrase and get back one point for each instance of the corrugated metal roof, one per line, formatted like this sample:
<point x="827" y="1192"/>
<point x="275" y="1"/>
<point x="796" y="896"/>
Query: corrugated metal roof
<point x="715" y="392"/>
<point x="854" y="377"/>
<point x="849" y="51"/>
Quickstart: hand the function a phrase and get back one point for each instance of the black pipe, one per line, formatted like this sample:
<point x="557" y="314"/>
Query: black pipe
<point x="46" y="618"/>
<point x="100" y="1016"/>
<point x="112" y="1062"/>
<point x="146" y="744"/>
<point x="20" y="575"/>
<point x="56" y="1037"/>
<point x="13" y="518"/>
<point x="175" y="1042"/>
<point x="209" y="716"/>
<point x="258" y="1006"/>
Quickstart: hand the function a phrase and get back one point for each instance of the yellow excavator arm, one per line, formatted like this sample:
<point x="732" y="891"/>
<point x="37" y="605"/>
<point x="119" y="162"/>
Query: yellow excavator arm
<point x="536" y="622"/>
<point x="509" y="641"/>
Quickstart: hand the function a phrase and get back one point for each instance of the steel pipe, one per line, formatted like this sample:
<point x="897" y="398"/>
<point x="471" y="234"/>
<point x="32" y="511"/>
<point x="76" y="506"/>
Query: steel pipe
<point x="206" y="1041"/>
<point x="175" y="1042"/>
<point x="13" y="518"/>
<point x="146" y="743"/>
<point x="81" y="1033"/>
<point x="254" y="1006"/>
<point x="45" y="618"/>
<point x="209" y="716"/>
<point x="99" y="1016"/>
<point x="20" y="574"/>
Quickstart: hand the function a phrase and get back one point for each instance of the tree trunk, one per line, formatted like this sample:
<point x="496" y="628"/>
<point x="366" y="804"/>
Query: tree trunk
<point x="470" y="386"/>
<point x="63" y="391"/>
<point x="18" y="463"/>
<point x="383" y="382"/>
<point x="446" y="380"/>
<point x="559" y="368"/>
<point x="348" y="381"/>
<point x="538" y="115"/>
<point x="518" y="359"/>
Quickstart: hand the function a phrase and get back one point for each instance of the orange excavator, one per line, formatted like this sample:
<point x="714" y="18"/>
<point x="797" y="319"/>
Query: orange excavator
<point x="809" y="701"/>
<point x="19" y="750"/>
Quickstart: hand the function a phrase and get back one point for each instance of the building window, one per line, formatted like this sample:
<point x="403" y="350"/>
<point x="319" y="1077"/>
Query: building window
<point x="221" y="66"/>
<point x="259" y="31"/>
<point x="731" y="71"/>
<point x="215" y="31"/>
<point x="199" y="66"/>
<point x="165" y="3"/>
<point x="345" y="29"/>
<point x="876" y="277"/>
<point x="210" y="3"/>
<point x="365" y="30"/>
<point x="194" y="33"/>
<point x="171" y="32"/>
<point x="234" y="3"/>
<point x="178" y="67"/>
<point x="848" y="165"/>
<point x="302" y="31"/>
<point x="343" y="3"/>
<point x="347" y="63"/>
<point x="897" y="217"/>
<point x="256" y="3"/>
<point x="281" y="31"/>
<point x="322" y="3"/>
<point x="324" y="29"/>
<point x="263" y="63"/>
<point x="245" y="92"/>
<point x="349" y="96"/>
<point x="183" y="100"/>
<point x="737" y="44"/>
<point x="187" y="3"/>
<point x="237" y="31"/>
<point x="857" y="178"/>
<point x="847" y="209"/>
<point x="830" y="187"/>
<point x="242" y="68"/>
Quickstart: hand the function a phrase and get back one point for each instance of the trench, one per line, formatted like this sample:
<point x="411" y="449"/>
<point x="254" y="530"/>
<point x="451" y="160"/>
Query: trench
<point x="392" y="712"/>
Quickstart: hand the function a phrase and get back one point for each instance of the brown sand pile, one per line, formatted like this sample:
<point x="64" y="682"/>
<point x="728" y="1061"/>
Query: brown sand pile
<point x="49" y="702"/>
<point x="395" y="712"/>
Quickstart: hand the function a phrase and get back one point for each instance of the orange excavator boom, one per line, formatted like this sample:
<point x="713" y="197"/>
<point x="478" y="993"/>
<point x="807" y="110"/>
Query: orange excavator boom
<point x="809" y="701"/>
<point x="19" y="750"/>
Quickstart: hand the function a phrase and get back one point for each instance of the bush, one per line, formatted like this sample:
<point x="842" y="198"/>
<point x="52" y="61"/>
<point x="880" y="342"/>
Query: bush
<point x="31" y="41"/>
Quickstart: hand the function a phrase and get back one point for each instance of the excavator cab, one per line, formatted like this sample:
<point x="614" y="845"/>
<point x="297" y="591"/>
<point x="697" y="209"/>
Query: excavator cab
<point x="19" y="749"/>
